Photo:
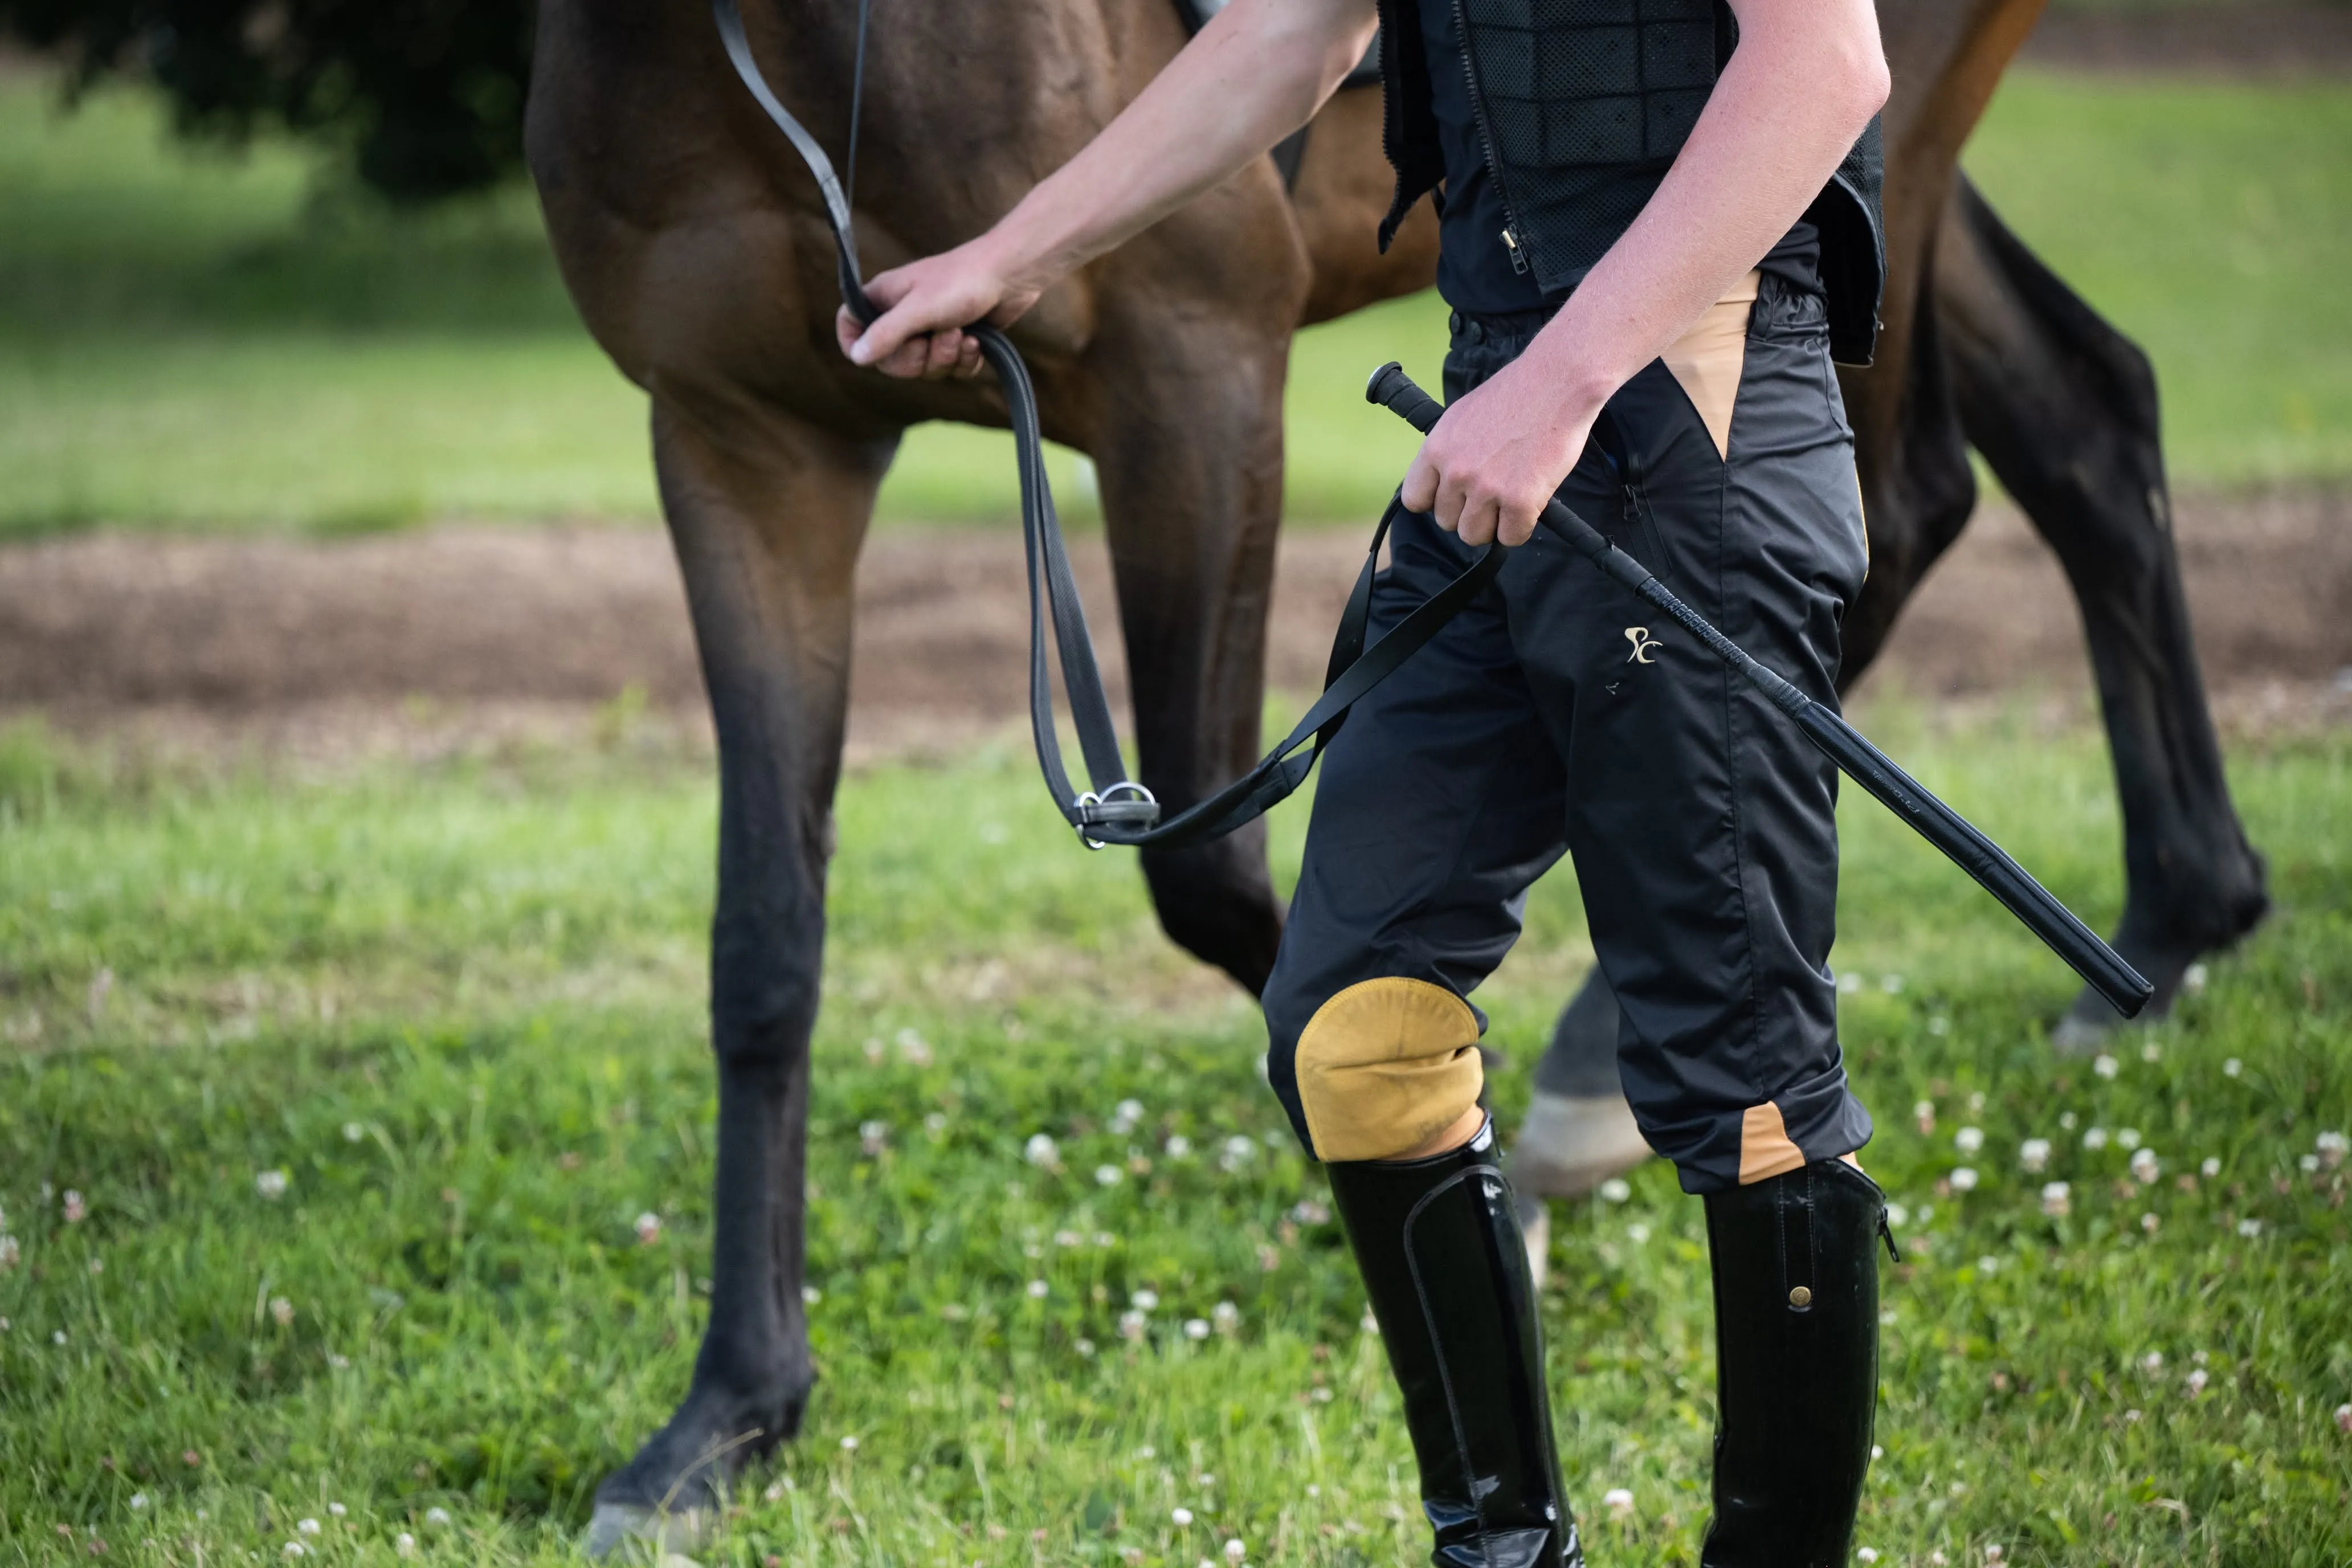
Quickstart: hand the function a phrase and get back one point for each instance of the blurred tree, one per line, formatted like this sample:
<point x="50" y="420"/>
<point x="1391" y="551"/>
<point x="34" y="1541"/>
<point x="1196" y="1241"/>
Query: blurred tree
<point x="426" y="95"/>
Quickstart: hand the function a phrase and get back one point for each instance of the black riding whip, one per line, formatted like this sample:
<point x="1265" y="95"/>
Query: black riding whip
<point x="2126" y="989"/>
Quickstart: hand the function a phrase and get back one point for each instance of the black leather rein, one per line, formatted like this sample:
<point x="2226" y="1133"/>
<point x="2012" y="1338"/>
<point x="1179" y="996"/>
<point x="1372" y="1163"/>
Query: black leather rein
<point x="1115" y="809"/>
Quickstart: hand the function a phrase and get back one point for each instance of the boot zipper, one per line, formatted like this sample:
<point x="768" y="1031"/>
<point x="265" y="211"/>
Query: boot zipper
<point x="1887" y="1234"/>
<point x="1511" y="239"/>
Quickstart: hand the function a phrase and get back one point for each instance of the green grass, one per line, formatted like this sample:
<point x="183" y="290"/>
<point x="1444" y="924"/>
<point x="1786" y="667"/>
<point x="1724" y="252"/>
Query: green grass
<point x="458" y="1008"/>
<point x="193" y="340"/>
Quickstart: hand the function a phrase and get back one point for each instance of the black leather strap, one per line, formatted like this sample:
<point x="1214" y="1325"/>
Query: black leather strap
<point x="1114" y="809"/>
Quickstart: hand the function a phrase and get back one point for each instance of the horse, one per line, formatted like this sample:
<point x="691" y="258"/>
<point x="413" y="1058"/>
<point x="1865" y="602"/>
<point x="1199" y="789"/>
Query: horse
<point x="693" y="241"/>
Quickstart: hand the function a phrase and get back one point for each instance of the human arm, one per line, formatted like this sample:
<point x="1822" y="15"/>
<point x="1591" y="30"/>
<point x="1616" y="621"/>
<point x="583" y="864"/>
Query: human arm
<point x="1802" y="84"/>
<point x="1257" y="72"/>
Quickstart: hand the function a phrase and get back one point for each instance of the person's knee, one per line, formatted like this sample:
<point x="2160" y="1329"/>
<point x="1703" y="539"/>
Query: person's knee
<point x="1380" y="1069"/>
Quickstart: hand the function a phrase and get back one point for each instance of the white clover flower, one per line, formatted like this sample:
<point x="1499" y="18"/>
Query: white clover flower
<point x="1987" y="1264"/>
<point x="2197" y="1382"/>
<point x="2250" y="1228"/>
<point x="2209" y="1168"/>
<point x="2055" y="1199"/>
<point x="2307" y="1164"/>
<point x="2146" y="1166"/>
<point x="914" y="1049"/>
<point x="1182" y="1518"/>
<point x="2152" y="1362"/>
<point x="76" y="1210"/>
<point x="1083" y="1347"/>
<point x="2232" y="1067"/>
<point x="1619" y="1501"/>
<point x="336" y="1511"/>
<point x="1968" y="1139"/>
<point x="138" y="1500"/>
<point x="2096" y="1138"/>
<point x="1041" y="1150"/>
<point x="1236" y="1551"/>
<point x="2150" y="1223"/>
<point x="2033" y="1154"/>
<point x="2128" y="1138"/>
<point x="1993" y="1552"/>
<point x="648" y="1228"/>
<point x="1615" y="1190"/>
<point x="2151" y="1052"/>
<point x="1238" y="1152"/>
<point x="849" y="1444"/>
<point x="1637" y="1234"/>
<point x="2192" y="979"/>
<point x="437" y="1516"/>
<point x="2105" y="1064"/>
<point x="1131" y="1325"/>
<point x="811" y="1295"/>
<point x="1924" y="1115"/>
<point x="1038" y="1290"/>
<point x="1865" y="1554"/>
<point x="281" y="1312"/>
<point x="308" y="1527"/>
<point x="1144" y="1301"/>
<point x="873" y="1136"/>
<point x="1848" y="984"/>
<point x="2066" y="1121"/>
<point x="1963" y="1179"/>
<point x="270" y="1184"/>
<point x="1107" y="1175"/>
<point x="1177" y="1146"/>
<point x="1939" y="1026"/>
<point x="296" y="1549"/>
<point x="1196" y="1328"/>
<point x="1125" y="1115"/>
<point x="353" y="1132"/>
<point x="1307" y="1211"/>
<point x="935" y="1122"/>
<point x="1105" y="1238"/>
<point x="1891" y="984"/>
<point x="2344" y="1419"/>
<point x="2333" y="1146"/>
<point x="404" y="1544"/>
<point x="1225" y="1316"/>
<point x="11" y="1254"/>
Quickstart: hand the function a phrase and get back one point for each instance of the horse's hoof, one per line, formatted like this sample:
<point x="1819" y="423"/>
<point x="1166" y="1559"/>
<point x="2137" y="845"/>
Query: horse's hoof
<point x="2080" y="1034"/>
<point x="667" y="1535"/>
<point x="1570" y="1144"/>
<point x="1535" y="1230"/>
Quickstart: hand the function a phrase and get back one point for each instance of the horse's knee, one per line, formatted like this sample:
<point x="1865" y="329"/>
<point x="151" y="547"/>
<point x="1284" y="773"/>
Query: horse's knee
<point x="1375" y="1070"/>
<point x="1217" y="903"/>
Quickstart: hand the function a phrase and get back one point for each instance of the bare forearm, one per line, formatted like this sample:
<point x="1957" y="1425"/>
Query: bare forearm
<point x="1758" y="156"/>
<point x="1258" y="71"/>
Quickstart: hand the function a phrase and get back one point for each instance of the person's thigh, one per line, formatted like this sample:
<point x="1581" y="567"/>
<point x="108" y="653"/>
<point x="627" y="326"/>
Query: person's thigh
<point x="1702" y="823"/>
<point x="1439" y="801"/>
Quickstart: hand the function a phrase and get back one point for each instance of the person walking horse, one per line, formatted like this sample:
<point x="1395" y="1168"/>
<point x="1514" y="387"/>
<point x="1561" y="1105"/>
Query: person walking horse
<point x="1657" y="229"/>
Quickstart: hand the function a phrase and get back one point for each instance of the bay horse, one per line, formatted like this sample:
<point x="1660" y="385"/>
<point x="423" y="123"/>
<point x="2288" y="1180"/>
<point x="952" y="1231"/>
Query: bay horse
<point x="693" y="241"/>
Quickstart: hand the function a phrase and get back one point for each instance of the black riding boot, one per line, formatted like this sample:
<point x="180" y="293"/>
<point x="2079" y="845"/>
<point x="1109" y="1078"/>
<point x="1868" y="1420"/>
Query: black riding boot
<point x="1441" y="1259"/>
<point x="1796" y="1336"/>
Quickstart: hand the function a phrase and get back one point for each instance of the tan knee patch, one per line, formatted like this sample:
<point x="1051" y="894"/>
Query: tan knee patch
<point x="1385" y="1065"/>
<point x="1765" y="1148"/>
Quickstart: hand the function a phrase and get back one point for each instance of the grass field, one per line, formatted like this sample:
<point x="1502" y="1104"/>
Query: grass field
<point x="456" y="1010"/>
<point x="188" y="339"/>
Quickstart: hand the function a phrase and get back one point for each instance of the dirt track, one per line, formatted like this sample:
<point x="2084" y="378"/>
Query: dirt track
<point x="454" y="635"/>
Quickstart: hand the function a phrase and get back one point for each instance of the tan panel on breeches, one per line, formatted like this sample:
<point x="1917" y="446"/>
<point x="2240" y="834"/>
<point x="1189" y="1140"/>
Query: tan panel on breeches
<point x="1385" y="1065"/>
<point x="1707" y="360"/>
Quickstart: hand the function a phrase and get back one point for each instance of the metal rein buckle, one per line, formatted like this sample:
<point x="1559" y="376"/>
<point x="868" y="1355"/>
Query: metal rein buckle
<point x="1137" y="804"/>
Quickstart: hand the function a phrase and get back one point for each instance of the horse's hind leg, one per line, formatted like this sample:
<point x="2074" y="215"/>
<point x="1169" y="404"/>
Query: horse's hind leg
<point x="2064" y="409"/>
<point x="766" y="513"/>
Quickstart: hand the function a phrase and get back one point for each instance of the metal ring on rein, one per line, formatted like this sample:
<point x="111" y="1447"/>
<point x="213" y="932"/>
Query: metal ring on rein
<point x="1137" y="797"/>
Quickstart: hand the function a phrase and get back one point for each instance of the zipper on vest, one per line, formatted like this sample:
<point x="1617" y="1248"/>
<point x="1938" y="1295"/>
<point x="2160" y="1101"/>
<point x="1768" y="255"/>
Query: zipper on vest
<point x="1511" y="236"/>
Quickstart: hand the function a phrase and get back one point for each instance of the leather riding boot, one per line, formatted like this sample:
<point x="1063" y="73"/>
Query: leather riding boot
<point x="1441" y="1259"/>
<point x="1796" y="1336"/>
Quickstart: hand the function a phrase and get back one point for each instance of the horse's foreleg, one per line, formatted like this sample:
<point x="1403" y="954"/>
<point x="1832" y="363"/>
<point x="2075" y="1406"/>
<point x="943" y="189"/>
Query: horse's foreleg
<point x="767" y="514"/>
<point x="1188" y="448"/>
<point x="2064" y="409"/>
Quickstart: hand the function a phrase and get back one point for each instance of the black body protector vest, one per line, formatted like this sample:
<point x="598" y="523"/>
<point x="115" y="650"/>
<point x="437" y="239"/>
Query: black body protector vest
<point x="1581" y="107"/>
